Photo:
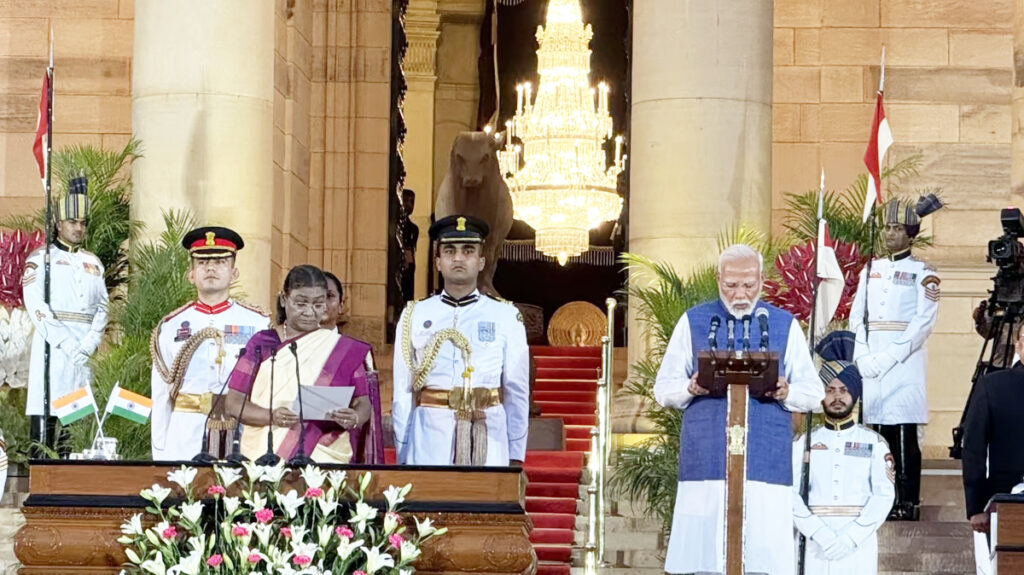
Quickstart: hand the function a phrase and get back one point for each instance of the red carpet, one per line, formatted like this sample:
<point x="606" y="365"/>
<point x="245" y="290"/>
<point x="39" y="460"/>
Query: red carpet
<point x="566" y="388"/>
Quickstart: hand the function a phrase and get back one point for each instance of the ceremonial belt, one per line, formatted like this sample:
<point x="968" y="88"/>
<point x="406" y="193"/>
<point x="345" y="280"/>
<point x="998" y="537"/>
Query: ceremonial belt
<point x="193" y="402"/>
<point x="72" y="316"/>
<point x="483" y="397"/>
<point x="888" y="325"/>
<point x="837" y="510"/>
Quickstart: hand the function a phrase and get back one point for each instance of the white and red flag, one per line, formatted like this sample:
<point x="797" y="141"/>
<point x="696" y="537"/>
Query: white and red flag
<point x="42" y="128"/>
<point x="830" y="276"/>
<point x="878" y="145"/>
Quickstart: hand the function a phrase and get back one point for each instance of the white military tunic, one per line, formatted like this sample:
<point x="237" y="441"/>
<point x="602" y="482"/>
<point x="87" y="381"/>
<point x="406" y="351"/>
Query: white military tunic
<point x="903" y="301"/>
<point x="178" y="435"/>
<point x="74" y="321"/>
<point x="697" y="540"/>
<point x="851" y="492"/>
<point x="500" y="359"/>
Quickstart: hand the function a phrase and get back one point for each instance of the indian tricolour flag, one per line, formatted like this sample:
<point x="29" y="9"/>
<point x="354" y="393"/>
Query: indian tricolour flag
<point x="74" y="406"/>
<point x="129" y="405"/>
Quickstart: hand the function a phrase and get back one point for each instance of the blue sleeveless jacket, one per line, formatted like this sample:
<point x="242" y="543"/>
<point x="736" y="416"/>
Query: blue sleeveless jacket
<point x="702" y="440"/>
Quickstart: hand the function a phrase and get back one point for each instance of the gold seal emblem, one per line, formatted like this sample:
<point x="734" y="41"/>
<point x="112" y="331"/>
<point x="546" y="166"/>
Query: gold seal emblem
<point x="209" y="238"/>
<point x="460" y="224"/>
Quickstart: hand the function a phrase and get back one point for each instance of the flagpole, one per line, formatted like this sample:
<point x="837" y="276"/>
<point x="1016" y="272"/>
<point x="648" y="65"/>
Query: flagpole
<point x="871" y="214"/>
<point x="805" y="476"/>
<point x="48" y="233"/>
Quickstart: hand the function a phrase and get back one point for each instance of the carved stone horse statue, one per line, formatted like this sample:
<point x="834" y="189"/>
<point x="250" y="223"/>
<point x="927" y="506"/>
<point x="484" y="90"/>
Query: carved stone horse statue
<point x="473" y="186"/>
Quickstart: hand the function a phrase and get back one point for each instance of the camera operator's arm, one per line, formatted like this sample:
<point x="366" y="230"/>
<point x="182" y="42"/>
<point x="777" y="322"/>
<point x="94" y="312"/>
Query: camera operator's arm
<point x="982" y="321"/>
<point x="920" y="327"/>
<point x="975" y="451"/>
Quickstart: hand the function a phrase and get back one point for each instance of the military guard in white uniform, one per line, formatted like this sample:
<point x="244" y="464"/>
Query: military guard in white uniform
<point x="74" y="321"/>
<point x="195" y="347"/>
<point x="458" y="345"/>
<point x="851" y="475"/>
<point x="901" y="297"/>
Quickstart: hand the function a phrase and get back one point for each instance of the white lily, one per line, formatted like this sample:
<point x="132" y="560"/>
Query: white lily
<point x="390" y="523"/>
<point x="263" y="532"/>
<point x="155" y="565"/>
<point x="313" y="476"/>
<point x="363" y="514"/>
<point x="183" y="476"/>
<point x="364" y="481"/>
<point x="327" y="506"/>
<point x="291" y="502"/>
<point x="346" y="547"/>
<point x="197" y="543"/>
<point x="425" y="527"/>
<point x="253" y="471"/>
<point x="307" y="549"/>
<point x="133" y="526"/>
<point x="278" y="557"/>
<point x="298" y="532"/>
<point x="187" y="566"/>
<point x="231" y="505"/>
<point x="323" y="534"/>
<point x="336" y="478"/>
<point x="160" y="528"/>
<point x="227" y="475"/>
<point x="394" y="496"/>
<point x="192" y="512"/>
<point x="156" y="494"/>
<point x="405" y="572"/>
<point x="375" y="560"/>
<point x="273" y="474"/>
<point x="409" y="551"/>
<point x="257" y="502"/>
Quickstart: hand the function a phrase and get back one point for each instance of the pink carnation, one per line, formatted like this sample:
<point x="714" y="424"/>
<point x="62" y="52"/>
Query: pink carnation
<point x="314" y="492"/>
<point x="396" y="540"/>
<point x="215" y="560"/>
<point x="302" y="559"/>
<point x="264" y="515"/>
<point x="286" y="532"/>
<point x="344" y="531"/>
<point x="395" y="517"/>
<point x="358" y="572"/>
<point x="255" y="558"/>
<point x="170" y="533"/>
<point x="216" y="490"/>
<point x="239" y="531"/>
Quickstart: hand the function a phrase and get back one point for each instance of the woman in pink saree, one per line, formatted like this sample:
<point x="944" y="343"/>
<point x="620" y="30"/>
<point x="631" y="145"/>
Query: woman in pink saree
<point x="299" y="350"/>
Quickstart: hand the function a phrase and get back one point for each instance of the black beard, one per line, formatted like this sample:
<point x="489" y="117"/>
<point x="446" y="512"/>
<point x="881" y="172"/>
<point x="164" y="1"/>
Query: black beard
<point x="837" y="415"/>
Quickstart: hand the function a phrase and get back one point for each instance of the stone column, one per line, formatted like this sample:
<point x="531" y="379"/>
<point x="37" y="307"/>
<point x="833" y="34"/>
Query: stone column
<point x="700" y="147"/>
<point x="202" y="105"/>
<point x="422" y="24"/>
<point x="1017" y="127"/>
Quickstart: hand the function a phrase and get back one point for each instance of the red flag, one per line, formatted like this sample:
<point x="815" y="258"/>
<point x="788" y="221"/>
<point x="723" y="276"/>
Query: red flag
<point x="42" y="127"/>
<point x="878" y="145"/>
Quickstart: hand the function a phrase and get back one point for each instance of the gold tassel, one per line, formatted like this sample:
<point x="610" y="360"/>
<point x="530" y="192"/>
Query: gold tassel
<point x="479" y="438"/>
<point x="463" y="428"/>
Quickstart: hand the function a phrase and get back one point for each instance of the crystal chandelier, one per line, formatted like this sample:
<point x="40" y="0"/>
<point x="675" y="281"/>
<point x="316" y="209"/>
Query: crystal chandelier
<point x="558" y="176"/>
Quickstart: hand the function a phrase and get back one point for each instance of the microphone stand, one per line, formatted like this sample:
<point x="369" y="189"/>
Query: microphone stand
<point x="731" y="324"/>
<point x="236" y="456"/>
<point x="270" y="458"/>
<point x="746" y="333"/>
<point x="713" y="333"/>
<point x="300" y="459"/>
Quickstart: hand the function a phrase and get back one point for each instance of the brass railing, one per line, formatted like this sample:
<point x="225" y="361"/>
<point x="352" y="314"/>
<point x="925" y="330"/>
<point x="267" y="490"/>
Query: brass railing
<point x="600" y="451"/>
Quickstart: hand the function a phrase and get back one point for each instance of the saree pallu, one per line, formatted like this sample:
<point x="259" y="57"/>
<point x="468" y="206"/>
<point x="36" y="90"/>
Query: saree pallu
<point x="324" y="358"/>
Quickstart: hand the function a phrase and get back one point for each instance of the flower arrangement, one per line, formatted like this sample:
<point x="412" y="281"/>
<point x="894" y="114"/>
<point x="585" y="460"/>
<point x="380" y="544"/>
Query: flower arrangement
<point x="329" y="528"/>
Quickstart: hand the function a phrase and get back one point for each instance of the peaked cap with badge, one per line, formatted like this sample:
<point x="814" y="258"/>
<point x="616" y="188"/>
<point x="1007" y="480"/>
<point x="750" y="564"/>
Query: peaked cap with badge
<point x="212" y="242"/>
<point x="456" y="229"/>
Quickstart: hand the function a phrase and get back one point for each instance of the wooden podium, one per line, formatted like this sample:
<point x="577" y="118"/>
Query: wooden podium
<point x="736" y="375"/>
<point x="75" y="508"/>
<point x="1007" y="533"/>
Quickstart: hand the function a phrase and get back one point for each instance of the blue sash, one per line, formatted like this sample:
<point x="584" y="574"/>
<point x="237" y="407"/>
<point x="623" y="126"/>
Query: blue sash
<point x="769" y="432"/>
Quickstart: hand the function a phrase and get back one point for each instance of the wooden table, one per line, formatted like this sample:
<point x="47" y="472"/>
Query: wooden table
<point x="75" y="508"/>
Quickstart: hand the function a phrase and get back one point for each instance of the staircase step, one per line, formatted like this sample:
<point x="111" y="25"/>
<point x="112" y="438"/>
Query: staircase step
<point x="578" y="431"/>
<point x="561" y="459"/>
<point x="588" y="419"/>
<point x="574" y="396"/>
<point x="566" y="407"/>
<point x="567" y="361"/>
<point x="548" y="536"/>
<point x="554" y="350"/>
<point x="560" y="553"/>
<point x="582" y="445"/>
<point x="544" y="568"/>
<point x="551" y="505"/>
<point x="553" y="520"/>
<point x="554" y="474"/>
<point x="568" y="373"/>
<point x="538" y="489"/>
<point x="565" y="384"/>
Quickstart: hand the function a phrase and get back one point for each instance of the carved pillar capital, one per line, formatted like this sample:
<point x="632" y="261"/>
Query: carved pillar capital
<point x="422" y="28"/>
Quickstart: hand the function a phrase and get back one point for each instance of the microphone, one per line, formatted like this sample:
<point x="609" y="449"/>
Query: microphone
<point x="762" y="320"/>
<point x="746" y="332"/>
<point x="270" y="458"/>
<point x="204" y="455"/>
<point x="730" y="323"/>
<point x="236" y="456"/>
<point x="713" y="332"/>
<point x="300" y="459"/>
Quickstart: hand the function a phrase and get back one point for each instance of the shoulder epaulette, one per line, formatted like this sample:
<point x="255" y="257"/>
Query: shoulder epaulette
<point x="36" y="252"/>
<point x="171" y="315"/>
<point x="252" y="307"/>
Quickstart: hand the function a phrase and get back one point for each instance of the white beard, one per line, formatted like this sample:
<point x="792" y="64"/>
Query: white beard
<point x="738" y="314"/>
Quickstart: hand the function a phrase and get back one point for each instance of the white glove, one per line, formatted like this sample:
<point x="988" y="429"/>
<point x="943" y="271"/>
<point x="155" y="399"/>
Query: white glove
<point x="80" y="358"/>
<point x="875" y="364"/>
<point x="824" y="537"/>
<point x="840" y="548"/>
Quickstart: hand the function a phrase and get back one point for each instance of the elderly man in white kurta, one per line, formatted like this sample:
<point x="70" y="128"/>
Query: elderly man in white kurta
<point x="195" y="348"/>
<point x="76" y="317"/>
<point x="696" y="544"/>
<point x="901" y="296"/>
<point x="434" y="339"/>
